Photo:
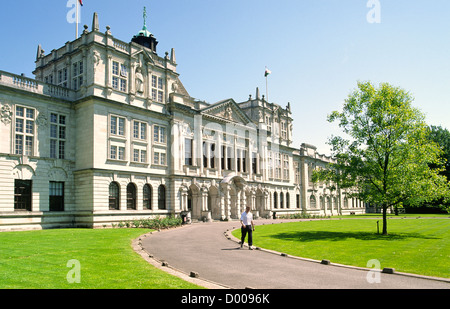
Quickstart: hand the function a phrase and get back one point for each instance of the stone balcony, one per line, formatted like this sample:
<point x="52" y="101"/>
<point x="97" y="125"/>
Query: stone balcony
<point x="34" y="86"/>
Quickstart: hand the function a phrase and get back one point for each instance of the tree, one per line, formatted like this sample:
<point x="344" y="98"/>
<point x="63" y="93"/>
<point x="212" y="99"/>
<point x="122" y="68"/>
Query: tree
<point x="441" y="136"/>
<point x="385" y="156"/>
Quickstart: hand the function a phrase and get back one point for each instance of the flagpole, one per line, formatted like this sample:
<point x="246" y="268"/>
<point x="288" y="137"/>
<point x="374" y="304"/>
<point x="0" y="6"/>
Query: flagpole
<point x="267" y="88"/>
<point x="76" y="19"/>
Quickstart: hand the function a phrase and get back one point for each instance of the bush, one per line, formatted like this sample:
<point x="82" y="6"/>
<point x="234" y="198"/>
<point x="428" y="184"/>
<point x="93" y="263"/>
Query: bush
<point x="157" y="223"/>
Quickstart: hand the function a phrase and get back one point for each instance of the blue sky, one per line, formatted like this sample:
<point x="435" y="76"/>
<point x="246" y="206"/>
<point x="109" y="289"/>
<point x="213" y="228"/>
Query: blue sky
<point x="316" y="49"/>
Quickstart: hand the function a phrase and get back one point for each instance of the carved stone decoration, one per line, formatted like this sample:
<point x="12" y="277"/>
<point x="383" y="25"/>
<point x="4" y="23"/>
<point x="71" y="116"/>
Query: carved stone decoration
<point x="228" y="113"/>
<point x="42" y="120"/>
<point x="175" y="87"/>
<point x="95" y="60"/>
<point x="6" y="114"/>
<point x="139" y="81"/>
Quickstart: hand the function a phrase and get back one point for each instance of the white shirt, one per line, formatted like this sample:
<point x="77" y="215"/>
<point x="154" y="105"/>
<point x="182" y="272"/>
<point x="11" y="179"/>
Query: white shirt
<point x="247" y="218"/>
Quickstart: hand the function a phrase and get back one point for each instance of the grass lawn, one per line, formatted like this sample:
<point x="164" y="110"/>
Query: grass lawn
<point x="38" y="260"/>
<point x="420" y="246"/>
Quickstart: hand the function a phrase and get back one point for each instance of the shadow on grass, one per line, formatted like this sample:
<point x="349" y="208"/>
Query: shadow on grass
<point x="309" y="236"/>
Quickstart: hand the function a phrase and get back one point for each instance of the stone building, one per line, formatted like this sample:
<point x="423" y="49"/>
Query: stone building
<point x="106" y="132"/>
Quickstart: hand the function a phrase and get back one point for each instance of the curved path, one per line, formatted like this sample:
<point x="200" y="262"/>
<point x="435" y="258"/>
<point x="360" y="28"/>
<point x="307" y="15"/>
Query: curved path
<point x="207" y="249"/>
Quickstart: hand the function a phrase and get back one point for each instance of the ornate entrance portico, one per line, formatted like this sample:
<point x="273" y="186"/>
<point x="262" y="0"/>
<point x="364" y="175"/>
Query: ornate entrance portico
<point x="223" y="201"/>
<point x="234" y="199"/>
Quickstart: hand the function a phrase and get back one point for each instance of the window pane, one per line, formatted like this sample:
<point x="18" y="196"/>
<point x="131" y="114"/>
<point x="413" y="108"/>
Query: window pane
<point x="28" y="145"/>
<point x="62" y="149"/>
<point x="121" y="153"/>
<point x="53" y="149"/>
<point x="115" y="69"/>
<point x="113" y="125"/>
<point x="30" y="127"/>
<point x="62" y="132"/>
<point x="19" y="144"/>
<point x="53" y="130"/>
<point x="121" y="126"/>
<point x="19" y="111"/>
<point x="30" y="113"/>
<point x="143" y="131"/>
<point x="136" y="129"/>
<point x="19" y="125"/>
<point x="143" y="156"/>
<point x="162" y="135"/>
<point x="113" y="152"/>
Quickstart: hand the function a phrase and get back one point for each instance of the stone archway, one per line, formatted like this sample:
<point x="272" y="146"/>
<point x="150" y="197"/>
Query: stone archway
<point x="233" y="198"/>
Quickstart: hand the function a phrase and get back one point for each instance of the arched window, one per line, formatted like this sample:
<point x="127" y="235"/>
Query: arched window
<point x="131" y="196"/>
<point x="288" y="202"/>
<point x="162" y="197"/>
<point x="275" y="200"/>
<point x="147" y="196"/>
<point x="312" y="201"/>
<point x="114" y="196"/>
<point x="281" y="200"/>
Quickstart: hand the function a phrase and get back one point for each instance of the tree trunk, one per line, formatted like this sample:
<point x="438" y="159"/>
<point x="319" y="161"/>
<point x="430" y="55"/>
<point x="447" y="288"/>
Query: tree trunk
<point x="385" y="207"/>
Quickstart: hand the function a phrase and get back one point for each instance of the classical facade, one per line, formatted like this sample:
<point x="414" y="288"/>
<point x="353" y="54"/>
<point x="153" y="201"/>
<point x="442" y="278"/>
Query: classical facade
<point x="106" y="132"/>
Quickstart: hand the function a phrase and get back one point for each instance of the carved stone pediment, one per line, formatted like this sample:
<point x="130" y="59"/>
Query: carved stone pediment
<point x="227" y="110"/>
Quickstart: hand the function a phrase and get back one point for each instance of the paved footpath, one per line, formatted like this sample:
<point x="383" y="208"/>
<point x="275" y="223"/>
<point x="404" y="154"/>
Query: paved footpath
<point x="205" y="249"/>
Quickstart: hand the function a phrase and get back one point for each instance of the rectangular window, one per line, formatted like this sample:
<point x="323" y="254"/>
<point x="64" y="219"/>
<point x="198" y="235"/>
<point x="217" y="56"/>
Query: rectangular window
<point x="285" y="167"/>
<point x="157" y="89"/>
<point x="117" y="153"/>
<point x="139" y="130"/>
<point x="143" y="156"/>
<point x="229" y="156"/>
<point x="278" y="165"/>
<point x="283" y="130"/>
<point x="119" y="76"/>
<point x="113" y="152"/>
<point x="159" y="158"/>
<point x="117" y="126"/>
<point x="188" y="151"/>
<point x="212" y="156"/>
<point x="24" y="131"/>
<point x="62" y="78"/>
<point x="239" y="159"/>
<point x="56" y="196"/>
<point x="269" y="123"/>
<point x="139" y="155"/>
<point x="254" y="162"/>
<point x="159" y="134"/>
<point x="121" y="153"/>
<point x="270" y="164"/>
<point x="57" y="136"/>
<point x="77" y="73"/>
<point x="22" y="195"/>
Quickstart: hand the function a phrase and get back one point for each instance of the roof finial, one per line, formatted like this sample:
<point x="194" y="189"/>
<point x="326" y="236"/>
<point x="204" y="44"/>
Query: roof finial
<point x="145" y="17"/>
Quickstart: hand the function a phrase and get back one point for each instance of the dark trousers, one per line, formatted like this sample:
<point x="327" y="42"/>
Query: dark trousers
<point x="244" y="231"/>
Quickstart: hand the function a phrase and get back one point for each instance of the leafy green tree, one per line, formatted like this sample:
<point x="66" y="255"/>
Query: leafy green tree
<point x="441" y="136"/>
<point x="384" y="156"/>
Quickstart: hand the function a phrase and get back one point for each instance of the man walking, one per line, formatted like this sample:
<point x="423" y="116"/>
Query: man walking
<point x="247" y="227"/>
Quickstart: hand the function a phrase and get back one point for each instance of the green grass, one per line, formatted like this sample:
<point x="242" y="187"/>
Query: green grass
<point x="420" y="246"/>
<point x="38" y="260"/>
